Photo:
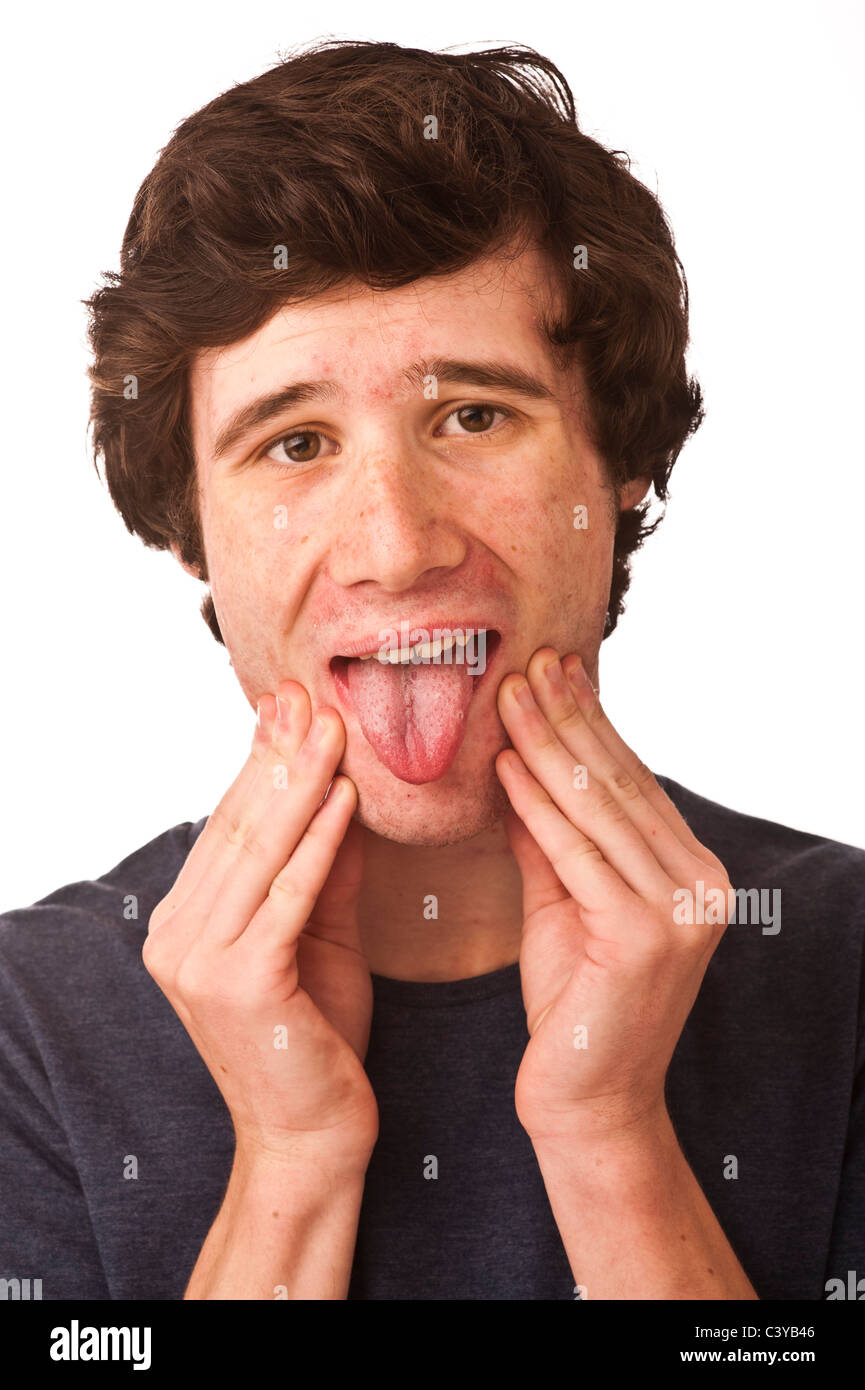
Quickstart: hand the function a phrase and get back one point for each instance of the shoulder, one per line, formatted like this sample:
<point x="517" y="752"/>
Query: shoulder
<point x="819" y="882"/>
<point x="761" y="846"/>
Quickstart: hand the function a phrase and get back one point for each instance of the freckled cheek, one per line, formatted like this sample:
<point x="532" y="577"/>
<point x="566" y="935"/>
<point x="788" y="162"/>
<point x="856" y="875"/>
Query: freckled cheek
<point x="516" y="525"/>
<point x="540" y="532"/>
<point x="561" y="571"/>
<point x="256" y="560"/>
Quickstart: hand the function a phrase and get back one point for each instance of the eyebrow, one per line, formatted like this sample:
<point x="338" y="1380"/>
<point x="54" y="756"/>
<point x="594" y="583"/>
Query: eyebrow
<point x="501" y="376"/>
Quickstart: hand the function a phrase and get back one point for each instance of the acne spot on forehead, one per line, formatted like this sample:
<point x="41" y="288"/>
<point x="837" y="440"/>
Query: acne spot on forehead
<point x="380" y="392"/>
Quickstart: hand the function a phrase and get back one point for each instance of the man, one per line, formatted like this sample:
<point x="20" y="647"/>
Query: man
<point x="450" y="997"/>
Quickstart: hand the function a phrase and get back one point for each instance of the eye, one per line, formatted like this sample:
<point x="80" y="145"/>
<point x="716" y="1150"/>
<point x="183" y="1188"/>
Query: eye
<point x="481" y="412"/>
<point x="291" y="451"/>
<point x="298" y="448"/>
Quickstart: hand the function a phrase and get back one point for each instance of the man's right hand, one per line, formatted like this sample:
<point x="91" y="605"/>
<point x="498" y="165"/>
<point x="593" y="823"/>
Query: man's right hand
<point x="256" y="946"/>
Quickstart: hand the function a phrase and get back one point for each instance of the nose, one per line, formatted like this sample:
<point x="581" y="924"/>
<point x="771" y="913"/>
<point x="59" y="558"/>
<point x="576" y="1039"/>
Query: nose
<point x="394" y="522"/>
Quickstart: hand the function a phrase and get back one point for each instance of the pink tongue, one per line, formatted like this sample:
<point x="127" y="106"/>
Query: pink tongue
<point x="414" y="715"/>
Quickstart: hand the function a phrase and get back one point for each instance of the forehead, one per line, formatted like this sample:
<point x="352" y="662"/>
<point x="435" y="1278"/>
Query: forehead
<point x="363" y="338"/>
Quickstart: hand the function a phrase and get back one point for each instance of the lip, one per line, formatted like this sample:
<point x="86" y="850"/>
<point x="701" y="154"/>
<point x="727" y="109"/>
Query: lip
<point x="371" y="641"/>
<point x="337" y="665"/>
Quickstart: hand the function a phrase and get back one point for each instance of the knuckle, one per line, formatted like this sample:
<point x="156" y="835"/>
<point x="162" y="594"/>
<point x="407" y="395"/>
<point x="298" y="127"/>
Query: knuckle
<point x="152" y="955"/>
<point x="236" y="833"/>
<point x="259" y="752"/>
<point x="190" y="981"/>
<point x="285" y="889"/>
<point x="254" y="847"/>
<point x="233" y="830"/>
<point x="164" y="909"/>
<point x="585" y="850"/>
<point x="571" y="719"/>
<point x="594" y="714"/>
<point x="155" y="920"/>
<point x="217" y="819"/>
<point x="643" y="776"/>
<point x="624" y="784"/>
<point x="159" y="944"/>
<point x="608" y="806"/>
<point x="159" y="909"/>
<point x="547" y="739"/>
<point x="717" y="882"/>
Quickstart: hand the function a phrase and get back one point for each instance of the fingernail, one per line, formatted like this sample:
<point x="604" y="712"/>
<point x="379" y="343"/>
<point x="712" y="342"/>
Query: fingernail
<point x="523" y="695"/>
<point x="553" y="674"/>
<point x="577" y="676"/>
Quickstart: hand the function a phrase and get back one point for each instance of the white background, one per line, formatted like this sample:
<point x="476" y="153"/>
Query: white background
<point x="737" y="668"/>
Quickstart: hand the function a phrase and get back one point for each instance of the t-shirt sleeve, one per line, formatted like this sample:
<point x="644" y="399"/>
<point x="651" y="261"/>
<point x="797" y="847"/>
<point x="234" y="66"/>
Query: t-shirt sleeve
<point x="45" y="1228"/>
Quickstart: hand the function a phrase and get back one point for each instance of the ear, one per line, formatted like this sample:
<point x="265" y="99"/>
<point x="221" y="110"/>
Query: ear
<point x="633" y="492"/>
<point x="190" y="569"/>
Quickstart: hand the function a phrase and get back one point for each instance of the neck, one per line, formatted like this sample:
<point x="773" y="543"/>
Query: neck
<point x="432" y="913"/>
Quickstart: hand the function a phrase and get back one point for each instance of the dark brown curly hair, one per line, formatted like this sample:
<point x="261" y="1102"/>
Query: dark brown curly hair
<point x="326" y="154"/>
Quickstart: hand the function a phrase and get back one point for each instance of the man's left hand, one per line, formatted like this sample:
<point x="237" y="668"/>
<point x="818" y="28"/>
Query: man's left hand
<point x="608" y="974"/>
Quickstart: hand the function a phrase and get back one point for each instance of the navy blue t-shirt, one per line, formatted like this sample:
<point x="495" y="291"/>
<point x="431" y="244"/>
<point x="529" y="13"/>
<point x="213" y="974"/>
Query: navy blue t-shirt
<point x="116" y="1145"/>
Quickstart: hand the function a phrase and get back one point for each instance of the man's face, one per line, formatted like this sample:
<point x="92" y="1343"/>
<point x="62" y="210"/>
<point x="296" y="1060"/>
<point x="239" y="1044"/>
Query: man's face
<point x="374" y="502"/>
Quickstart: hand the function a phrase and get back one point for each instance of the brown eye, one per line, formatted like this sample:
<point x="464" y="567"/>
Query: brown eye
<point x="298" y="453"/>
<point x="466" y="412"/>
<point x="303" y="446"/>
<point x="475" y="419"/>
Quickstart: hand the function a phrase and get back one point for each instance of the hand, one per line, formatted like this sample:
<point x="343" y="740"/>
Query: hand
<point x="601" y="949"/>
<point x="256" y="945"/>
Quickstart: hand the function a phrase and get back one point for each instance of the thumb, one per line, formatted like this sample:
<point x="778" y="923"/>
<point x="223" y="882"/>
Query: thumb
<point x="541" y="883"/>
<point x="334" y="916"/>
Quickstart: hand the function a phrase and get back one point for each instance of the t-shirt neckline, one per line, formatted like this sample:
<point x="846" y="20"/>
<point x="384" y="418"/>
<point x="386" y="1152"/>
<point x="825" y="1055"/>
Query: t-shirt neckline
<point x="436" y="993"/>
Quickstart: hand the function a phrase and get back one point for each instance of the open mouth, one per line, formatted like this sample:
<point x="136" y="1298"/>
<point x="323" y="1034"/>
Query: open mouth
<point x="412" y="700"/>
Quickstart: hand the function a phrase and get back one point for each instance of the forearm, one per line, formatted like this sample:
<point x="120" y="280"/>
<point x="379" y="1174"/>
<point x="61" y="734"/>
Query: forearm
<point x="634" y="1221"/>
<point x="286" y="1228"/>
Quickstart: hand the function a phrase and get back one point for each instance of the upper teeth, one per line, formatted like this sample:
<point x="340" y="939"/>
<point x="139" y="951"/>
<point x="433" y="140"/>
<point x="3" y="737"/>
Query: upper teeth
<point x="421" y="651"/>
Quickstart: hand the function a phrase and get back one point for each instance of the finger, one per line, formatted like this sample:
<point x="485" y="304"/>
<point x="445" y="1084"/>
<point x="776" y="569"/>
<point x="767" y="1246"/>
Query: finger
<point x="573" y="720"/>
<point x="330" y="955"/>
<point x="630" y="763"/>
<point x="276" y="719"/>
<point x="226" y="905"/>
<point x="576" y="860"/>
<point x="541" y="884"/>
<point x="591" y="809"/>
<point x="291" y="896"/>
<point x="335" y="915"/>
<point x="231" y="820"/>
<point x="203" y="849"/>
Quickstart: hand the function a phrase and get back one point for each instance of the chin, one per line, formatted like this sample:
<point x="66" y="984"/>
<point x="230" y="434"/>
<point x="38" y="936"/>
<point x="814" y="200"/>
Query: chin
<point x="434" y="814"/>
